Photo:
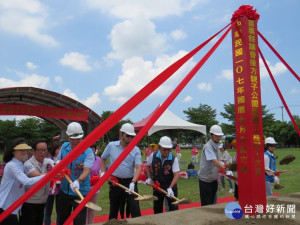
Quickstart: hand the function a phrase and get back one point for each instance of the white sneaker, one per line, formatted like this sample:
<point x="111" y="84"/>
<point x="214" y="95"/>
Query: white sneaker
<point x="231" y="190"/>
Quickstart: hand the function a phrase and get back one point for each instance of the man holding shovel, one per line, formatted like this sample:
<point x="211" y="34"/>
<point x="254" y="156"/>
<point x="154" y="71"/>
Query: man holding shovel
<point x="126" y="174"/>
<point x="80" y="175"/>
<point x="209" y="167"/>
<point x="165" y="171"/>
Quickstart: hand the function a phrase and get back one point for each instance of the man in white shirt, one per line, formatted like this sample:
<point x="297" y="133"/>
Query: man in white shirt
<point x="165" y="168"/>
<point x="32" y="211"/>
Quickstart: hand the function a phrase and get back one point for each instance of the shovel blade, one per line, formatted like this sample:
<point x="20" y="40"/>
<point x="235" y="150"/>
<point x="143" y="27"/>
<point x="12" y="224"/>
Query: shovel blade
<point x="181" y="201"/>
<point x="278" y="186"/>
<point x="90" y="205"/>
<point x="146" y="198"/>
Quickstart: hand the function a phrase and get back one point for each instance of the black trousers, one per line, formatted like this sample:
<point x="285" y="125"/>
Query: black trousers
<point x="11" y="219"/>
<point x="66" y="205"/>
<point x="208" y="192"/>
<point x="117" y="196"/>
<point x="159" y="204"/>
<point x="32" y="214"/>
<point x="236" y="191"/>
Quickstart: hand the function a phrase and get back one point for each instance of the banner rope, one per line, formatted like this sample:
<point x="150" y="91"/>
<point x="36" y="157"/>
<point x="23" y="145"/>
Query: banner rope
<point x="277" y="54"/>
<point x="147" y="126"/>
<point x="108" y="124"/>
<point x="279" y="93"/>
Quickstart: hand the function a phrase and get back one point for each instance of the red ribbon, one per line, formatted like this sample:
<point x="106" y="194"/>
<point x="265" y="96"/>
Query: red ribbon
<point x="279" y="93"/>
<point x="147" y="126"/>
<point x="101" y="130"/>
<point x="278" y="55"/>
<point x="94" y="179"/>
<point x="65" y="171"/>
<point x="156" y="186"/>
<point x="114" y="180"/>
<point x="53" y="183"/>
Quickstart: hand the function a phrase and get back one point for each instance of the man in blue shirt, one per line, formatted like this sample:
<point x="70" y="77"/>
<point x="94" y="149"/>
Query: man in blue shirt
<point x="127" y="172"/>
<point x="80" y="175"/>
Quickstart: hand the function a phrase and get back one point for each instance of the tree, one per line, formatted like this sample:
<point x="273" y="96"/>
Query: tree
<point x="229" y="114"/>
<point x="8" y="131"/>
<point x="285" y="133"/>
<point x="204" y="115"/>
<point x="113" y="133"/>
<point x="31" y="129"/>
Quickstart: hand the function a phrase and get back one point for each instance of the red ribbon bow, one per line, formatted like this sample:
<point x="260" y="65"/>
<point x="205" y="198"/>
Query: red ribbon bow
<point x="156" y="185"/>
<point x="94" y="179"/>
<point x="114" y="180"/>
<point x="245" y="10"/>
<point x="65" y="171"/>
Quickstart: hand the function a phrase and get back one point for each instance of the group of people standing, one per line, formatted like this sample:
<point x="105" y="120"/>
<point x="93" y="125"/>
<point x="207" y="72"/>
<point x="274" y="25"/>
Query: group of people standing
<point x="19" y="177"/>
<point x="162" y="169"/>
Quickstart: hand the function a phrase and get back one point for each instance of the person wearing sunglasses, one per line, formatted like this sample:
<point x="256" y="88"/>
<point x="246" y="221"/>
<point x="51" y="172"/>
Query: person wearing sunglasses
<point x="32" y="211"/>
<point x="127" y="173"/>
<point x="270" y="164"/>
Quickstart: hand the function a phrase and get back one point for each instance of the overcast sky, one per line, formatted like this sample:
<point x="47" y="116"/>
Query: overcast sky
<point x="101" y="52"/>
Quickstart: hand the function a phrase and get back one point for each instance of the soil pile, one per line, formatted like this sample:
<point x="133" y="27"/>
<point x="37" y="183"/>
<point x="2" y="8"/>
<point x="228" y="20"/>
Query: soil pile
<point x="214" y="215"/>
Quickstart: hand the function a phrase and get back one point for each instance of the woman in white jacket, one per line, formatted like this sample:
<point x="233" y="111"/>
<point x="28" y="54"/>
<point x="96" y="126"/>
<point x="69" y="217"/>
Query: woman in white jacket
<point x="14" y="179"/>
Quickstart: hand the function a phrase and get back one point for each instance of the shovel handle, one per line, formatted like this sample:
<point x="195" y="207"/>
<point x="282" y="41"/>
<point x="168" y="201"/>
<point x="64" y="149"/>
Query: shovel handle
<point x="164" y="192"/>
<point x="127" y="189"/>
<point x="268" y="170"/>
<point x="76" y="190"/>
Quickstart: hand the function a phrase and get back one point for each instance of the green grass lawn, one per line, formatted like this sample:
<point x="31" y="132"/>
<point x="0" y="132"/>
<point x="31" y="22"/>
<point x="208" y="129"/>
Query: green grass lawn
<point x="189" y="188"/>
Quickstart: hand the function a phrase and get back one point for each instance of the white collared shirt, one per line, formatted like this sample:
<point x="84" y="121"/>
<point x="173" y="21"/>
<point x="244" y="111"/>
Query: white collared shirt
<point x="30" y="165"/>
<point x="13" y="184"/>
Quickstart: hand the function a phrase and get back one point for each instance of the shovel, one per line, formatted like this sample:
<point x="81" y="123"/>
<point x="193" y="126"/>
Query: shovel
<point x="277" y="171"/>
<point x="232" y="166"/>
<point x="278" y="186"/>
<point x="89" y="204"/>
<point x="177" y="200"/>
<point x="232" y="177"/>
<point x="139" y="197"/>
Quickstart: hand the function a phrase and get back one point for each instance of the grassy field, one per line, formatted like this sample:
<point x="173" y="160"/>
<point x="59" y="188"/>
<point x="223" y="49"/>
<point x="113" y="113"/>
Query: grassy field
<point x="189" y="188"/>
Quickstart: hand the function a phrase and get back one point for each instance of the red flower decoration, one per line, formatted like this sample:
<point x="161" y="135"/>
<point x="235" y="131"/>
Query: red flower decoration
<point x="48" y="167"/>
<point x="245" y="10"/>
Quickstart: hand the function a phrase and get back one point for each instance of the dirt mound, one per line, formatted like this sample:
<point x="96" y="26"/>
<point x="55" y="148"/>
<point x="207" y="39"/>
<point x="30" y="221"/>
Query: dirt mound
<point x="117" y="222"/>
<point x="215" y="215"/>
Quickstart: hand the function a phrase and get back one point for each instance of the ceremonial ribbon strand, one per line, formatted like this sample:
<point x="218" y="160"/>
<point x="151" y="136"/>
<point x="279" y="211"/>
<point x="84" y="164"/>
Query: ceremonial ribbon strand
<point x="107" y="125"/>
<point x="147" y="126"/>
<point x="277" y="54"/>
<point x="279" y="93"/>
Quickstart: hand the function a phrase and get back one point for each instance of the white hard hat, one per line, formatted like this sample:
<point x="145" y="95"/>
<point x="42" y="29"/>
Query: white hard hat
<point x="128" y="129"/>
<point x="270" y="140"/>
<point x="74" y="130"/>
<point x="216" y="130"/>
<point x="165" y="142"/>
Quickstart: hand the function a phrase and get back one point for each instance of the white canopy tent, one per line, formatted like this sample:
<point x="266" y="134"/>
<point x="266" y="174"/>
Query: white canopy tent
<point x="169" y="120"/>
